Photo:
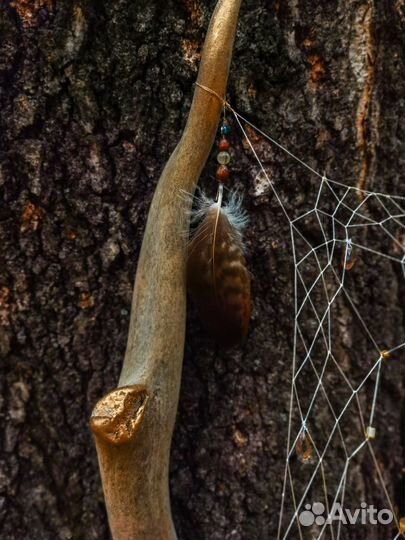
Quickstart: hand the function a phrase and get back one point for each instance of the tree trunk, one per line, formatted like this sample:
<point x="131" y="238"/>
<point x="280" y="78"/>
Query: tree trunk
<point x="94" y="97"/>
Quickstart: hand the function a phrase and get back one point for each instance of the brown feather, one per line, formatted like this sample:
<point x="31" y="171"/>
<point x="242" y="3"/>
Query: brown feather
<point x="217" y="278"/>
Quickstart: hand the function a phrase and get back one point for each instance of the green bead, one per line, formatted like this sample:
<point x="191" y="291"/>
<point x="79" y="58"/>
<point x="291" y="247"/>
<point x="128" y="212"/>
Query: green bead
<point x="223" y="158"/>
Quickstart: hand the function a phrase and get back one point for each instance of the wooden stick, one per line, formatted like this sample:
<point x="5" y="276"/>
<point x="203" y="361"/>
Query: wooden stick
<point x="133" y="424"/>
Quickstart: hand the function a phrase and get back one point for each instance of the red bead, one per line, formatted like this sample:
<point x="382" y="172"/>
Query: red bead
<point x="223" y="145"/>
<point x="222" y="173"/>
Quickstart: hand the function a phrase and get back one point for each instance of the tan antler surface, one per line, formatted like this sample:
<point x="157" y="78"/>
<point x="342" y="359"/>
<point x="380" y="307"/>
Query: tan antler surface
<point x="133" y="424"/>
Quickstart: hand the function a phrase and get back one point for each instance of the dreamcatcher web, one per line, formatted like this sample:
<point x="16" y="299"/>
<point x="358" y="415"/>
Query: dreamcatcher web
<point x="326" y="240"/>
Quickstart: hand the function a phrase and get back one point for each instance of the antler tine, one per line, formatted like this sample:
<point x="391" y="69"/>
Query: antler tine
<point x="133" y="424"/>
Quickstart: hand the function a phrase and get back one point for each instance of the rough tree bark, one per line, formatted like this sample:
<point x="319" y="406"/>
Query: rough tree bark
<point x="93" y="99"/>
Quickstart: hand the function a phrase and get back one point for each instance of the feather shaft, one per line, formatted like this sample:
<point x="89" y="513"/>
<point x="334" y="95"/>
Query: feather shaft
<point x="217" y="277"/>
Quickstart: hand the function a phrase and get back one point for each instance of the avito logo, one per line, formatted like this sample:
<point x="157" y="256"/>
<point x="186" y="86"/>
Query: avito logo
<point x="315" y="513"/>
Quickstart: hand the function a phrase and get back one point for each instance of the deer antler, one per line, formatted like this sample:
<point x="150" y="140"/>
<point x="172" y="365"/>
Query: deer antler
<point x="133" y="424"/>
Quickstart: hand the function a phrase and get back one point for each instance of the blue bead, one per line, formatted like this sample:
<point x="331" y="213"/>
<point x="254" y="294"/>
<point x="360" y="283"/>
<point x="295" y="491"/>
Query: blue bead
<point x="225" y="129"/>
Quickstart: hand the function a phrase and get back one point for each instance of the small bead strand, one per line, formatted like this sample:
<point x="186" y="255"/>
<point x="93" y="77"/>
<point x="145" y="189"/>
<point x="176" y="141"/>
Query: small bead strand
<point x="223" y="156"/>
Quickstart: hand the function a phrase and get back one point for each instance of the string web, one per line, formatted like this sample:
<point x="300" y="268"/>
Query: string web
<point x="345" y="222"/>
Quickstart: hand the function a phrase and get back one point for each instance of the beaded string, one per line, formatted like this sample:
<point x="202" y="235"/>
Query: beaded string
<point x="223" y="156"/>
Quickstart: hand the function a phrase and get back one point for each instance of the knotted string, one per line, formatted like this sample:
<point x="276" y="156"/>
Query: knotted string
<point x="223" y="101"/>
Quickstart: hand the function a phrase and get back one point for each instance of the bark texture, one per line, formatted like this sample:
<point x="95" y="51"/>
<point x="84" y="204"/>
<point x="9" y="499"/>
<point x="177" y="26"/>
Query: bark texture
<point x="94" y="96"/>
